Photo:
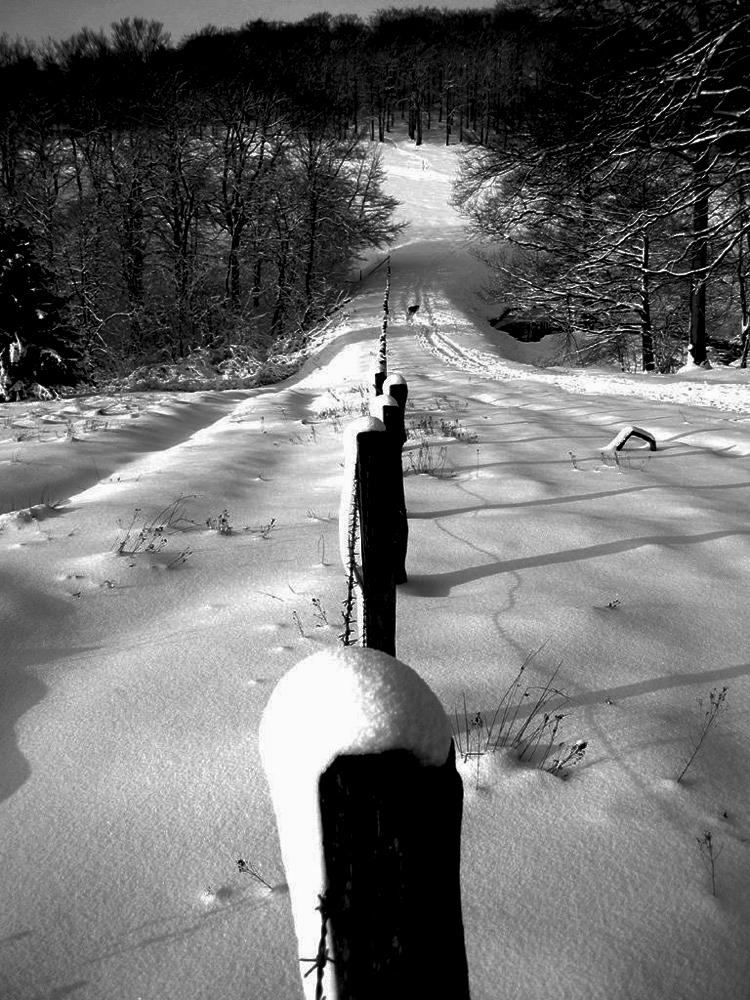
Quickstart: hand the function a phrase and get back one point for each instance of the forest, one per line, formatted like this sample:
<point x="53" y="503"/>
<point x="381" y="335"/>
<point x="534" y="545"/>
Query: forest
<point x="159" y="198"/>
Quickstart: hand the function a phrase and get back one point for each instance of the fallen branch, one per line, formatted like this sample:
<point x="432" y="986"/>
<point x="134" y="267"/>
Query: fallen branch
<point x="626" y="433"/>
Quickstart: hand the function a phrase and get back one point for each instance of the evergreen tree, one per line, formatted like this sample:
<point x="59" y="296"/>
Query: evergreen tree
<point x="38" y="349"/>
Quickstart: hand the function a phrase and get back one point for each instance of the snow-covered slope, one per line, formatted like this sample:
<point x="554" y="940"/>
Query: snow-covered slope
<point x="132" y="685"/>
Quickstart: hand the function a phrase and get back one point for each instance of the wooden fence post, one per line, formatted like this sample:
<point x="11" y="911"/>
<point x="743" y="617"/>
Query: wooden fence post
<point x="367" y="531"/>
<point x="378" y="535"/>
<point x="395" y="385"/>
<point x="361" y="767"/>
<point x="386" y="408"/>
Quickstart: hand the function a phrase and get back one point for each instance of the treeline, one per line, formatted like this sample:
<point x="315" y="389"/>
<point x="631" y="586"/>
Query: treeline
<point x="174" y="201"/>
<point x="616" y="207"/>
<point x="213" y="193"/>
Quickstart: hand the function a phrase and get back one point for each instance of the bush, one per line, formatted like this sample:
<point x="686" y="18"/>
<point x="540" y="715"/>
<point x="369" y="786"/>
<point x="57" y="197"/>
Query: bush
<point x="38" y="350"/>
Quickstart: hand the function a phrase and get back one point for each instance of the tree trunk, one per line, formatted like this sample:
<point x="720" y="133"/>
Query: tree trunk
<point x="257" y="276"/>
<point x="134" y="257"/>
<point x="310" y="263"/>
<point x="277" y="321"/>
<point x="742" y="281"/>
<point x="701" y="189"/>
<point x="744" y="309"/>
<point x="647" y="339"/>
<point x="232" y="282"/>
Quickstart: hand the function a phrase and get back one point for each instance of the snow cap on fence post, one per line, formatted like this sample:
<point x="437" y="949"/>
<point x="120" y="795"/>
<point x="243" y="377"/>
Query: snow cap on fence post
<point x="379" y="403"/>
<point x="395" y="386"/>
<point x="388" y="409"/>
<point x="343" y="701"/>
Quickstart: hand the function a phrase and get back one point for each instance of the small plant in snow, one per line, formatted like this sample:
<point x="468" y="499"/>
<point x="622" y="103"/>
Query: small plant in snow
<point x="524" y="722"/>
<point x="614" y="604"/>
<point x="477" y="724"/>
<point x="320" y="618"/>
<point x="220" y="523"/>
<point x="427" y="462"/>
<point x="298" y="622"/>
<point x="266" y="529"/>
<point x="426" y="425"/>
<point x="152" y="535"/>
<point x="248" y="868"/>
<point x="570" y="756"/>
<point x="716" y="703"/>
<point x="179" y="559"/>
<point x="421" y="426"/>
<point x="315" y="516"/>
<point x="455" y="429"/>
<point x="357" y="403"/>
<point x="709" y="853"/>
<point x="626" y="461"/>
<point x="49" y="504"/>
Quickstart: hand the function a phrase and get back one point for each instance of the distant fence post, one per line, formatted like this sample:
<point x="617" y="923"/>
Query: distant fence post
<point x="395" y="385"/>
<point x="361" y="766"/>
<point x="388" y="409"/>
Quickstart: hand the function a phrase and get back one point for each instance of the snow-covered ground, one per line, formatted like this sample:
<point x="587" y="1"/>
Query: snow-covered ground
<point x="132" y="684"/>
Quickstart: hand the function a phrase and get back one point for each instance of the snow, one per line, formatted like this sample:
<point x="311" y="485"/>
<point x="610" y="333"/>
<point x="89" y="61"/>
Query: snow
<point x="396" y="379"/>
<point x="133" y="686"/>
<point x="378" y="404"/>
<point x="362" y="425"/>
<point x="351" y="701"/>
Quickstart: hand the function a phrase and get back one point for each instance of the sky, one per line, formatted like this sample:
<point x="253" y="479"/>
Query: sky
<point x="38" y="19"/>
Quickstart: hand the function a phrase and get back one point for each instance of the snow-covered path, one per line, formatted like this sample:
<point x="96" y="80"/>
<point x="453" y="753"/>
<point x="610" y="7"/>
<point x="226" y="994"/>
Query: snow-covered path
<point x="132" y="686"/>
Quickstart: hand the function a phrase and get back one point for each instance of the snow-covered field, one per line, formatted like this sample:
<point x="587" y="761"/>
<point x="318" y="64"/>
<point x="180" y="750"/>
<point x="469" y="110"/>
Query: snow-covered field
<point x="132" y="684"/>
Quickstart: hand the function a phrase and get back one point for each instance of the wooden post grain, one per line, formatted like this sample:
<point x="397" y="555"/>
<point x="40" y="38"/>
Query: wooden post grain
<point x="378" y="625"/>
<point x="386" y="409"/>
<point x="392" y="844"/>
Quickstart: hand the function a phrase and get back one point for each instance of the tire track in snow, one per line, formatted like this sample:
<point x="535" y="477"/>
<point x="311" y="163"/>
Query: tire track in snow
<point x="718" y="396"/>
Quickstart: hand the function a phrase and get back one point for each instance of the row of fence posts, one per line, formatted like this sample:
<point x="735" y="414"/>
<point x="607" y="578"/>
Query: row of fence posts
<point x="373" y="525"/>
<point x="371" y="831"/>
